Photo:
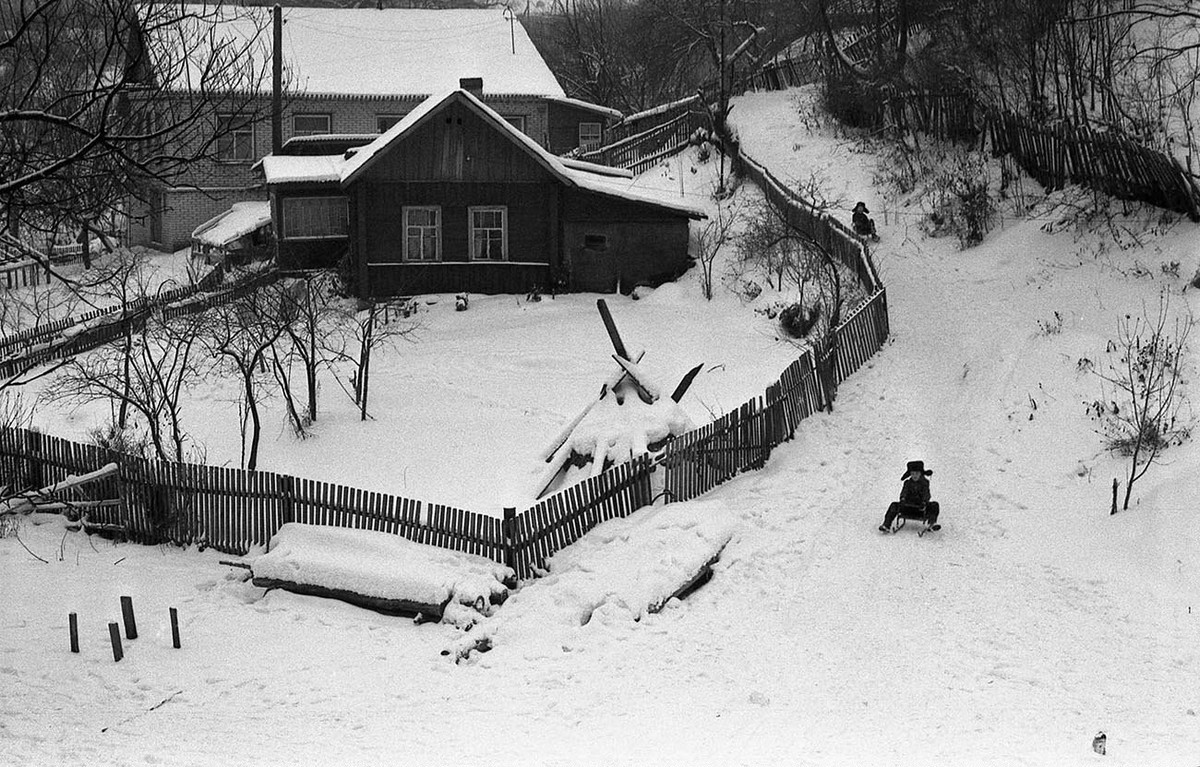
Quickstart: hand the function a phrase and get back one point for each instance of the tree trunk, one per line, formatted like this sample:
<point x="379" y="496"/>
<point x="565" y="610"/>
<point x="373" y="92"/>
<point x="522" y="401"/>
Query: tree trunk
<point x="255" y="423"/>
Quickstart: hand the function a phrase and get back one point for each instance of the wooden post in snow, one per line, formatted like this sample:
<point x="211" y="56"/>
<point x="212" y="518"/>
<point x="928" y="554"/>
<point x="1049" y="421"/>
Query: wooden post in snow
<point x="508" y="528"/>
<point x="174" y="628"/>
<point x="74" y="621"/>
<point x="114" y="635"/>
<point x="127" y="617"/>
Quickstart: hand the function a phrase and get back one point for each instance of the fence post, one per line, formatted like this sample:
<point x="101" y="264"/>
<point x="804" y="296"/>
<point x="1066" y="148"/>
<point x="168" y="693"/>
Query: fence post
<point x="287" y="500"/>
<point x="508" y="528"/>
<point x="33" y="466"/>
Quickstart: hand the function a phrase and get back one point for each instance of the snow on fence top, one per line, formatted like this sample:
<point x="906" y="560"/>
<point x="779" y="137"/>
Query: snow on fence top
<point x="389" y="52"/>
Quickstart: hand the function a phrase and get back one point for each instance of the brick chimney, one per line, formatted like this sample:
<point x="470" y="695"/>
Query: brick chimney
<point x="472" y="85"/>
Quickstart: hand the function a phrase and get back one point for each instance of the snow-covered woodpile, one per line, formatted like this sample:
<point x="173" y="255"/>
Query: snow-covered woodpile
<point x="630" y="417"/>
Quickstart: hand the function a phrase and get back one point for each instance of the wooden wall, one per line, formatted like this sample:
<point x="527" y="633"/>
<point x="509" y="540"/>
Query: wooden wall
<point x="379" y="204"/>
<point x="456" y="144"/>
<point x="564" y="126"/>
<point x="646" y="244"/>
<point x="305" y="254"/>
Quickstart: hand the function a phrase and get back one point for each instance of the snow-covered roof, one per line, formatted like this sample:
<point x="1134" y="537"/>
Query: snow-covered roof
<point x="580" y="104"/>
<point x="660" y="109"/>
<point x="391" y="52"/>
<point x="294" y="169"/>
<point x="575" y="174"/>
<point x="240" y="220"/>
<point x="591" y="167"/>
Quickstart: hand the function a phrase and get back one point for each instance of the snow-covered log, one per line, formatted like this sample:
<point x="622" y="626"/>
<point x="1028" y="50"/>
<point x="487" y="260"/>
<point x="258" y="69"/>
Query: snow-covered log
<point x="379" y="571"/>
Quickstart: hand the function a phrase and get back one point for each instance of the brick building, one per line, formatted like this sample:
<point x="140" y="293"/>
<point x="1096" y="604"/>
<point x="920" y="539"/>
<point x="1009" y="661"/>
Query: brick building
<point x="358" y="72"/>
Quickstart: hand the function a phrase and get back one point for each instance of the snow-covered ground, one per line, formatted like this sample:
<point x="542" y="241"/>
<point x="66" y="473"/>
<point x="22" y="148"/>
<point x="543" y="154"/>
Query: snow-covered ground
<point x="461" y="413"/>
<point x="1030" y="622"/>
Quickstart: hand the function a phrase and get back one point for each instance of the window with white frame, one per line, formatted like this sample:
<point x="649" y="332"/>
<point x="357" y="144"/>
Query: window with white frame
<point x="489" y="233"/>
<point x="311" y="125"/>
<point x="315" y="218"/>
<point x="422" y="233"/>
<point x="589" y="135"/>
<point x="235" y="138"/>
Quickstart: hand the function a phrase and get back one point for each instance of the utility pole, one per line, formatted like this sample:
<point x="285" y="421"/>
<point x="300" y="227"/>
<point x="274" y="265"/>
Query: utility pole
<point x="277" y="80"/>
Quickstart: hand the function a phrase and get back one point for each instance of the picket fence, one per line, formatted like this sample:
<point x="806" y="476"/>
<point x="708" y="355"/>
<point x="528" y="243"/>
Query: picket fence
<point x="234" y="510"/>
<point x="671" y="133"/>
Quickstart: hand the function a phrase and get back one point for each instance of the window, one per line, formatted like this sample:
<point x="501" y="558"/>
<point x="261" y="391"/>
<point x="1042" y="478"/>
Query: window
<point x="589" y="135"/>
<point x="422" y="233"/>
<point x="489" y="233"/>
<point x="235" y="138"/>
<point x="517" y="121"/>
<point x="315" y="218"/>
<point x="310" y="125"/>
<point x="383" y="122"/>
<point x="595" y="241"/>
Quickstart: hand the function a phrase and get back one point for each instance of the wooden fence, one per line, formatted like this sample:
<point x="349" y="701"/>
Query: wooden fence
<point x="69" y="336"/>
<point x="1111" y="163"/>
<point x="563" y="518"/>
<point x="742" y="439"/>
<point x="233" y="510"/>
<point x="831" y="234"/>
<point x="641" y="151"/>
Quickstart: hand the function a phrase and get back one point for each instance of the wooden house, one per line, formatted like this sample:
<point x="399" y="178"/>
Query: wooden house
<point x="355" y="71"/>
<point x="456" y="198"/>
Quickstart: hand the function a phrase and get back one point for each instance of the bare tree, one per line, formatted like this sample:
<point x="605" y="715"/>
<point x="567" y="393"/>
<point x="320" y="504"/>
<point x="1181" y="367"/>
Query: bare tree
<point x="711" y="238"/>
<point x="778" y="242"/>
<point x="314" y="313"/>
<point x="99" y="99"/>
<point x="147" y="377"/>
<point x="242" y="334"/>
<point x="1145" y="377"/>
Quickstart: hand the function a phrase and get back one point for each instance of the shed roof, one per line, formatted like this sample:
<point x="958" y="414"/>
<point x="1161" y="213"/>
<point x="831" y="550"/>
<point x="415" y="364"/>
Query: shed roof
<point x="389" y="52"/>
<point x="575" y="174"/>
<point x="302" y="169"/>
<point x="240" y="220"/>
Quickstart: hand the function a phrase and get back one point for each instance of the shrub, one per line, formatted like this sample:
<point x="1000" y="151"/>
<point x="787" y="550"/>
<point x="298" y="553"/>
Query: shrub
<point x="128" y="440"/>
<point x="962" y="203"/>
<point x="797" y="321"/>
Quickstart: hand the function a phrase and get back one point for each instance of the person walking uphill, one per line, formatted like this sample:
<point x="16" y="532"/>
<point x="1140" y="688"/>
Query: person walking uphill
<point x="914" y="500"/>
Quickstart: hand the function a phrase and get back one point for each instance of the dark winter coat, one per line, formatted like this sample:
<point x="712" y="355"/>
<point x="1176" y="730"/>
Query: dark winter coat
<point x="915" y="491"/>
<point x="863" y="223"/>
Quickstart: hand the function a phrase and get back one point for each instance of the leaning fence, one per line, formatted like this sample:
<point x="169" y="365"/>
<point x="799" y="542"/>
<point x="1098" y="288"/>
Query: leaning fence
<point x="66" y="337"/>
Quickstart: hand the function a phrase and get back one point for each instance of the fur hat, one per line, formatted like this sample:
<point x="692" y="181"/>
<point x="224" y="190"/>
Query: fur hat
<point x="861" y="206"/>
<point x="917" y="466"/>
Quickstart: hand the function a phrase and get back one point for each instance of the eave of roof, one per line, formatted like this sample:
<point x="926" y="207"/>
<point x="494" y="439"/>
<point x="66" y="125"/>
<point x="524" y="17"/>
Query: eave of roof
<point x="598" y="179"/>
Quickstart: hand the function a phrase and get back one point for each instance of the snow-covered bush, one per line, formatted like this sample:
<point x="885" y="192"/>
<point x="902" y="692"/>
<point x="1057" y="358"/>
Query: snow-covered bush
<point x="961" y="201"/>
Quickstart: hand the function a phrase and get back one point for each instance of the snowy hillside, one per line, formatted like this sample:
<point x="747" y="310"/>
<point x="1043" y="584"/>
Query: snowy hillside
<point x="1030" y="622"/>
